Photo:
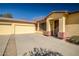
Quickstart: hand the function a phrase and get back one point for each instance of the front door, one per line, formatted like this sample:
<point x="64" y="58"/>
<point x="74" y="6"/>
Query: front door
<point x="56" y="27"/>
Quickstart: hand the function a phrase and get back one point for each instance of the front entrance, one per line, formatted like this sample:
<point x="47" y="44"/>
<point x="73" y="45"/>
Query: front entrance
<point x="56" y="28"/>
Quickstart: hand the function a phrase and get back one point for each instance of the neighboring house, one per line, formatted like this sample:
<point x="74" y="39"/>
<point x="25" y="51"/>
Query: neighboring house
<point x="61" y="24"/>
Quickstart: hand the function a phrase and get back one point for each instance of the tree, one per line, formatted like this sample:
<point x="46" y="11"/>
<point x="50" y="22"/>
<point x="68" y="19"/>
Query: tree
<point x="1" y="15"/>
<point x="7" y="15"/>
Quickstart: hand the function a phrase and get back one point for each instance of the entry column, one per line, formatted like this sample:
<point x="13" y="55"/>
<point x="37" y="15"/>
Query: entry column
<point x="61" y="33"/>
<point x="37" y="26"/>
<point x="48" y="28"/>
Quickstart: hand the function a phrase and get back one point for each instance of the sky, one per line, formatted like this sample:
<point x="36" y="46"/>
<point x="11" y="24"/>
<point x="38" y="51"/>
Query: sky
<point x="30" y="11"/>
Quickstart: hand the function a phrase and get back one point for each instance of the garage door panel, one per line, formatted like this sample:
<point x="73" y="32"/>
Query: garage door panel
<point x="24" y="29"/>
<point x="5" y="29"/>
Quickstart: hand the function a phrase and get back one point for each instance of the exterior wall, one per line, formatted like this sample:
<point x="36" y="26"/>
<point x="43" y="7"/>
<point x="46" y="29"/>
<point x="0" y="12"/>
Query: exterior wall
<point x="73" y="19"/>
<point x="56" y="15"/>
<point x="72" y="29"/>
<point x="72" y="25"/>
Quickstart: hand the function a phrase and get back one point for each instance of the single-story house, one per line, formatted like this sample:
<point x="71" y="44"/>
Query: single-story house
<point x="61" y="24"/>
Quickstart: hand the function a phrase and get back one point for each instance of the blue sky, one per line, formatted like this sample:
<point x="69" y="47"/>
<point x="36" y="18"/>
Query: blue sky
<point x="29" y="11"/>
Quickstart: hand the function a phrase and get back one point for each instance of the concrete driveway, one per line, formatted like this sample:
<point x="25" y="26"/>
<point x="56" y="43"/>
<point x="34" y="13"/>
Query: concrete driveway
<point x="27" y="42"/>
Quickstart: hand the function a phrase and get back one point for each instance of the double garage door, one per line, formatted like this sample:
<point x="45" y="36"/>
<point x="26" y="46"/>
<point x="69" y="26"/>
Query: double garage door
<point x="6" y="29"/>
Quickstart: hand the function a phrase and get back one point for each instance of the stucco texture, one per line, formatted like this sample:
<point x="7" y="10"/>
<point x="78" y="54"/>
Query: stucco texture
<point x="72" y="25"/>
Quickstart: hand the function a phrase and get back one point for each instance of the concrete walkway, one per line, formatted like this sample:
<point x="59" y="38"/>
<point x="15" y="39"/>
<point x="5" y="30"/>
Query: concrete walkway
<point x="3" y="42"/>
<point x="10" y="49"/>
<point x="26" y="42"/>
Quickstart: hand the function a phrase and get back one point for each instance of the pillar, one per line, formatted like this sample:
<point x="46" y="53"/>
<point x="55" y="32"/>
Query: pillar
<point x="53" y="27"/>
<point x="61" y="33"/>
<point x="48" y="28"/>
<point x="38" y="26"/>
<point x="13" y="28"/>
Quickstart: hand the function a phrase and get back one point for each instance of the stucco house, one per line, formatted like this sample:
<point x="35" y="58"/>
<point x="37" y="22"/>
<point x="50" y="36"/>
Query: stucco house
<point x="61" y="24"/>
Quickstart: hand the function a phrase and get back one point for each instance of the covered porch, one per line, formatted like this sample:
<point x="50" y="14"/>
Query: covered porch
<point x="52" y="27"/>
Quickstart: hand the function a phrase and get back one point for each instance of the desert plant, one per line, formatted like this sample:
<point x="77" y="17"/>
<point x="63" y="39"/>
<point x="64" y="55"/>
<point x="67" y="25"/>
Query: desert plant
<point x="74" y="39"/>
<point x="42" y="52"/>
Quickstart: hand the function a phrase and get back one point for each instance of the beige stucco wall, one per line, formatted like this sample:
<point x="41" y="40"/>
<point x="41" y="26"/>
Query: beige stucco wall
<point x="72" y="25"/>
<point x="73" y="18"/>
<point x="56" y="15"/>
<point x="72" y="29"/>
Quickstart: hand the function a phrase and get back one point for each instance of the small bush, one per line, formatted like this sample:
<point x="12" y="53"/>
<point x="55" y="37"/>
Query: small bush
<point x="74" y="39"/>
<point x="42" y="52"/>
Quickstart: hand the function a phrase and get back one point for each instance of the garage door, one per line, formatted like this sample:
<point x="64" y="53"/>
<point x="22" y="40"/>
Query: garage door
<point x="5" y="32"/>
<point x="5" y="29"/>
<point x="24" y="29"/>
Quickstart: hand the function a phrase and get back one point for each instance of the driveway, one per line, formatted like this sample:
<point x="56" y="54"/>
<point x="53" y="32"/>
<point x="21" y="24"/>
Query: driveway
<point x="26" y="42"/>
<point x="29" y="41"/>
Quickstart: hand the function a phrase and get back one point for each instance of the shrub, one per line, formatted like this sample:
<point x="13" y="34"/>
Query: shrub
<point x="74" y="39"/>
<point x="42" y="52"/>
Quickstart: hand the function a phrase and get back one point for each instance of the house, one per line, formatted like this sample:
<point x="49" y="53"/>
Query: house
<point x="61" y="24"/>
